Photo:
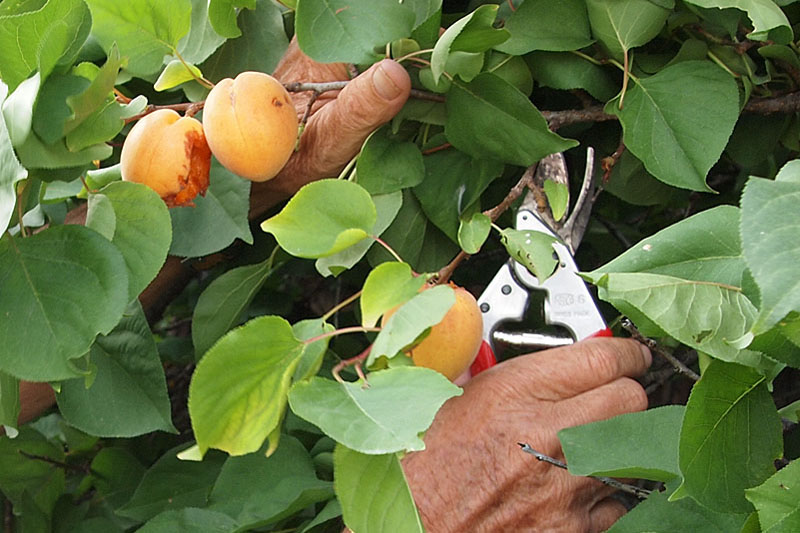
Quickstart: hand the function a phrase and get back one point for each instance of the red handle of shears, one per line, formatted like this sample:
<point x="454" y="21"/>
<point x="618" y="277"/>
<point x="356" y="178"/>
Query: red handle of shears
<point x="486" y="358"/>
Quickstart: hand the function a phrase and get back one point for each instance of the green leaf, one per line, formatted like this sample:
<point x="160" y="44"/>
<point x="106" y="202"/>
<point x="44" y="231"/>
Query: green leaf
<point x="624" y="24"/>
<point x="703" y="247"/>
<point x="22" y="477"/>
<point x="141" y="230"/>
<point x="323" y="218"/>
<point x="175" y="73"/>
<point x="778" y="500"/>
<point x="769" y="224"/>
<point x="404" y="327"/>
<point x="18" y="109"/>
<point x="172" y="484"/>
<point x="53" y="319"/>
<point x="117" y="473"/>
<point x="201" y="41"/>
<point x="659" y="515"/>
<point x="9" y="401"/>
<point x="533" y="249"/>
<point x="472" y="33"/>
<point x="374" y="492"/>
<point x="387" y="286"/>
<point x="662" y="130"/>
<point x="238" y="391"/>
<point x="314" y="353"/>
<point x="386" y="207"/>
<point x="372" y="419"/>
<point x="104" y="124"/>
<point x="261" y="46"/>
<point x="473" y="233"/>
<point x="94" y="97"/>
<point x="405" y="234"/>
<point x="454" y="183"/>
<point x="520" y="134"/>
<point x="730" y="438"/>
<point x="216" y="220"/>
<point x="10" y="170"/>
<point x="544" y="25"/>
<point x="614" y="447"/>
<point x="563" y="70"/>
<point x="631" y="183"/>
<point x="350" y="30"/>
<point x="557" y="197"/>
<point x="34" y="154"/>
<point x="704" y="315"/>
<point x="144" y="30"/>
<point x="769" y="22"/>
<point x="38" y="36"/>
<point x="128" y="396"/>
<point x="256" y="490"/>
<point x="191" y="519"/>
<point x="387" y="165"/>
<point x="222" y="15"/>
<point x="222" y="303"/>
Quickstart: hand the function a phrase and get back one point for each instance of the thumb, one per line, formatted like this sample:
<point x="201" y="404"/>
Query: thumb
<point x="335" y="133"/>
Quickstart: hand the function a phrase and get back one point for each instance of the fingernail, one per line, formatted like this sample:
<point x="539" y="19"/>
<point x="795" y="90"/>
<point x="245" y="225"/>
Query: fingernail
<point x="648" y="357"/>
<point x="384" y="85"/>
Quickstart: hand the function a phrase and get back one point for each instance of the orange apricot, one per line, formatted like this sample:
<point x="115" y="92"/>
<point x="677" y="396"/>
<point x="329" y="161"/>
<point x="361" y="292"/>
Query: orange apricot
<point x="453" y="343"/>
<point x="251" y="125"/>
<point x="169" y="154"/>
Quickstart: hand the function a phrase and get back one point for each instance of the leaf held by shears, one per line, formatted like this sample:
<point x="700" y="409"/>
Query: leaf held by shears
<point x="533" y="249"/>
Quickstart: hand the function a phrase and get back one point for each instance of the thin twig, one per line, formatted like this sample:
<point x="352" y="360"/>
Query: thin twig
<point x="60" y="464"/>
<point x="319" y="87"/>
<point x="443" y="276"/>
<point x="611" y="482"/>
<point x="425" y="95"/>
<point x="655" y="347"/>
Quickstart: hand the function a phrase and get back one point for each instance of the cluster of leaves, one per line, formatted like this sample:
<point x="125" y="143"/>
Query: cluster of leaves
<point x="678" y="85"/>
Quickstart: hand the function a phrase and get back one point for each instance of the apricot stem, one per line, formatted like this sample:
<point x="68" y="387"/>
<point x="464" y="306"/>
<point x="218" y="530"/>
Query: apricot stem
<point x="341" y="305"/>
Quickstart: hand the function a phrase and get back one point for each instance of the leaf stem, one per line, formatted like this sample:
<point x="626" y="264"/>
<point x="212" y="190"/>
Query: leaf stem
<point x="388" y="248"/>
<point x="342" y="331"/>
<point x="341" y="305"/>
<point x="611" y="482"/>
<point x="199" y="79"/>
<point x="348" y="167"/>
<point x="414" y="54"/>
<point x="357" y="360"/>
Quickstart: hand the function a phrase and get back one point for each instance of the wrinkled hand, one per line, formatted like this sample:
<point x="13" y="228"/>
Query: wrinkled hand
<point x="473" y="475"/>
<point x="339" y="124"/>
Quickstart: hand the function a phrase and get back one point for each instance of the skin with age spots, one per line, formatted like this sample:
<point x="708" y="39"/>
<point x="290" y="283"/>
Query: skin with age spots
<point x="169" y="154"/>
<point x="249" y="138"/>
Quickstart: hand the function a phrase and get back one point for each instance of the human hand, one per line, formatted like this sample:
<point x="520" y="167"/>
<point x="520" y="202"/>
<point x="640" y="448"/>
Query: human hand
<point x="339" y="124"/>
<point x="472" y="475"/>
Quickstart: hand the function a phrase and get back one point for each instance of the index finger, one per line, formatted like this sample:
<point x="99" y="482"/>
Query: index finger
<point x="565" y="372"/>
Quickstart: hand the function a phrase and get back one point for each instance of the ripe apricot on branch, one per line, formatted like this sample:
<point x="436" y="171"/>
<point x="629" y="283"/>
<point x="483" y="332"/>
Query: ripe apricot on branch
<point x="453" y="343"/>
<point x="169" y="154"/>
<point x="251" y="125"/>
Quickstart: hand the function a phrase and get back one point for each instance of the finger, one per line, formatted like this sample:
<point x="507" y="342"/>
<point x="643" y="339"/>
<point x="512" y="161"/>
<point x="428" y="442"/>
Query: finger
<point x="336" y="132"/>
<point x="621" y="396"/>
<point x="603" y="515"/>
<point x="571" y="370"/>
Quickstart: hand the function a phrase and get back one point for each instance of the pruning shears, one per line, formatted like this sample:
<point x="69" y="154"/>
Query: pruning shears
<point x="567" y="301"/>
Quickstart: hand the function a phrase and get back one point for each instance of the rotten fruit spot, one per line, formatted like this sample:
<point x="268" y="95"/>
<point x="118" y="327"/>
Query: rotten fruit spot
<point x="196" y="180"/>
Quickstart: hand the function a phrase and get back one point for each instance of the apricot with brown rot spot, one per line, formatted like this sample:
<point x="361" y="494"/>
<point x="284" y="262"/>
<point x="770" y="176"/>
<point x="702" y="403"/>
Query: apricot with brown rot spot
<point x="453" y="343"/>
<point x="251" y="125"/>
<point x="169" y="154"/>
